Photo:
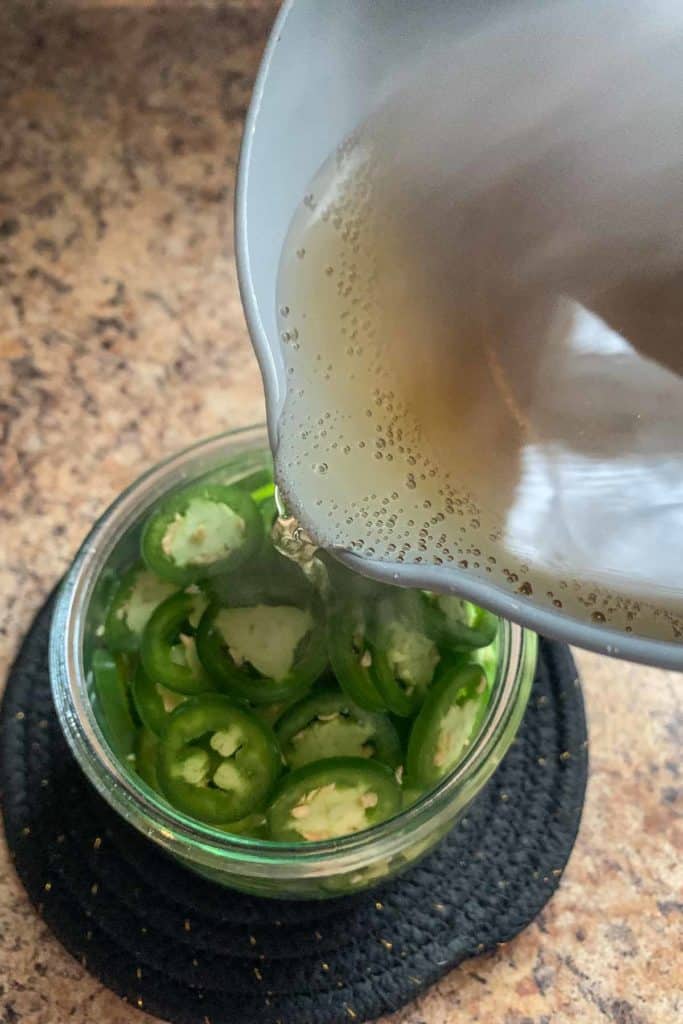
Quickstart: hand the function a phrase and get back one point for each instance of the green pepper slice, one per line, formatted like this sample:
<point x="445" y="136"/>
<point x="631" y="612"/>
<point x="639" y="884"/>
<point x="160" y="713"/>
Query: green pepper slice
<point x="328" y="724"/>
<point x="153" y="701"/>
<point x="488" y="658"/>
<point x="272" y="713"/>
<point x="264" y="499"/>
<point x="263" y="644"/>
<point x="459" y="625"/>
<point x="168" y="650"/>
<point x="110" y="686"/>
<point x="256" y="484"/>
<point x="255" y="826"/>
<point x="229" y="780"/>
<point x="332" y="798"/>
<point x="200" y="531"/>
<point x="264" y="495"/>
<point x="135" y="598"/>
<point x="351" y="655"/>
<point x="269" y="570"/>
<point x="446" y="725"/>
<point x="268" y="512"/>
<point x="410" y="795"/>
<point x="146" y="754"/>
<point x="349" y="586"/>
<point x="405" y="656"/>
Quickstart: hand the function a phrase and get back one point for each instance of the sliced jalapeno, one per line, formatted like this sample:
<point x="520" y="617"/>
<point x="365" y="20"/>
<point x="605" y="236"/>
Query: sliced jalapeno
<point x="268" y="512"/>
<point x="264" y="495"/>
<point x="351" y="586"/>
<point x="488" y="658"/>
<point x="410" y="795"/>
<point x="405" y="656"/>
<point x="137" y="595"/>
<point x="257" y="484"/>
<point x="329" y="724"/>
<point x="230" y="779"/>
<point x="200" y="531"/>
<point x="446" y="725"/>
<point x="153" y="701"/>
<point x="272" y="713"/>
<point x="273" y="572"/>
<point x="110" y="685"/>
<point x="263" y="646"/>
<point x="254" y="825"/>
<point x="146" y="753"/>
<point x="351" y="655"/>
<point x="332" y="798"/>
<point x="168" y="650"/>
<point x="458" y="624"/>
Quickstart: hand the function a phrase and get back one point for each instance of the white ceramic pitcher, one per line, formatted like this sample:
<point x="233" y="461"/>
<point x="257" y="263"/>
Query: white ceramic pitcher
<point x="327" y="64"/>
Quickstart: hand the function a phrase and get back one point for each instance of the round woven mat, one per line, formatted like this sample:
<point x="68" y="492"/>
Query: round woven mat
<point x="192" y="952"/>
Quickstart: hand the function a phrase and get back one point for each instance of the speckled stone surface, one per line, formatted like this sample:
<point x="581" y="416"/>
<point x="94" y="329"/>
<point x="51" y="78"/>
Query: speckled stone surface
<point x="122" y="340"/>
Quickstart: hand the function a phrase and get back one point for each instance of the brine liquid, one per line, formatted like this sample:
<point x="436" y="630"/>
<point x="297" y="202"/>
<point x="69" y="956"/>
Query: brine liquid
<point x="445" y="408"/>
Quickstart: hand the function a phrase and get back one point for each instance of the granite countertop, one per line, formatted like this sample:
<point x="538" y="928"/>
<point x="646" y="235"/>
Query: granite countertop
<point x="122" y="340"/>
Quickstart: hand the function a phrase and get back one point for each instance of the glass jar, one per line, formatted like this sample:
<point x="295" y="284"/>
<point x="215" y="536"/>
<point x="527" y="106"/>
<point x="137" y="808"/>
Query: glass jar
<point x="298" y="870"/>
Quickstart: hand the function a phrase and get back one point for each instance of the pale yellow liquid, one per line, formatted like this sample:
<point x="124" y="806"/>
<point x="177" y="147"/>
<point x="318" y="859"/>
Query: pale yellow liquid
<point x="441" y="410"/>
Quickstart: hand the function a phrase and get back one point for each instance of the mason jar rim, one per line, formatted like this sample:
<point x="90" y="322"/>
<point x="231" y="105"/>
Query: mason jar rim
<point x="205" y="844"/>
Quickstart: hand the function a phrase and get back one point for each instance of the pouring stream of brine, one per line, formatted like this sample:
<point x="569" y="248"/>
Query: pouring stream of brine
<point x="481" y="304"/>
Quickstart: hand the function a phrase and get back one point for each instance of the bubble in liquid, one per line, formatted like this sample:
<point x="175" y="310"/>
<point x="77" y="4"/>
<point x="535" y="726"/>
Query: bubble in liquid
<point x="598" y="617"/>
<point x="321" y="468"/>
<point x="284" y="310"/>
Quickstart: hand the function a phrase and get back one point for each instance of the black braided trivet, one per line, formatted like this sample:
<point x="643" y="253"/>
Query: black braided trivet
<point x="194" y="953"/>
